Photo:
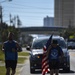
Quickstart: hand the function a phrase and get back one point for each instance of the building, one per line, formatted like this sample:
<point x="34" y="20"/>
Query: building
<point x="48" y="21"/>
<point x="64" y="13"/>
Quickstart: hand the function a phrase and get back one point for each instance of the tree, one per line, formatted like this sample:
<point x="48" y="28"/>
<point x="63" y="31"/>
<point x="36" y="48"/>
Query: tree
<point x="4" y="29"/>
<point x="69" y="32"/>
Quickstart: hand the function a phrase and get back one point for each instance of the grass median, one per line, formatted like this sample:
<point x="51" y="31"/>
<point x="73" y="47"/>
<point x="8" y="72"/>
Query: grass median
<point x="21" y="60"/>
<point x="22" y="57"/>
<point x="2" y="70"/>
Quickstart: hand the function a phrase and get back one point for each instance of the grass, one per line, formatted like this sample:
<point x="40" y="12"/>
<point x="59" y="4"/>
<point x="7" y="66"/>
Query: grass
<point x="2" y="70"/>
<point x="23" y="53"/>
<point x="21" y="60"/>
<point x="1" y="56"/>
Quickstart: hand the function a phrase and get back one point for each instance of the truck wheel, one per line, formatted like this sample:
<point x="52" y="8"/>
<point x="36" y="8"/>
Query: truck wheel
<point x="67" y="69"/>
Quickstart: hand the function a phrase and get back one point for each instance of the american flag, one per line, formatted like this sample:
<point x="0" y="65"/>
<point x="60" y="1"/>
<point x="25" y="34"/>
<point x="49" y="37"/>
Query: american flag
<point x="45" y="66"/>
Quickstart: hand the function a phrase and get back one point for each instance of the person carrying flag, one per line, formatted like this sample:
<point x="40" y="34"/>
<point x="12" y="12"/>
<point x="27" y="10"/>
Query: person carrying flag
<point x="45" y="65"/>
<point x="54" y="51"/>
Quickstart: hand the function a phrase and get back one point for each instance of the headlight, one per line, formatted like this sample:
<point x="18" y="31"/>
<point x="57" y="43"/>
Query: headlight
<point x="35" y="56"/>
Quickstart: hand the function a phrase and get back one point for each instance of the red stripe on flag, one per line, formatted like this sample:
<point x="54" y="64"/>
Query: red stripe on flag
<point x="45" y="65"/>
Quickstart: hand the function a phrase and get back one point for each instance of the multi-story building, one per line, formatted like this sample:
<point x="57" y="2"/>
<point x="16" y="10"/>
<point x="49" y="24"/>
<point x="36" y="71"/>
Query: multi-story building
<point x="48" y="21"/>
<point x="64" y="13"/>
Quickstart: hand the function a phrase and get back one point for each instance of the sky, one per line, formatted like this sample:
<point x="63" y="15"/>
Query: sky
<point x="30" y="12"/>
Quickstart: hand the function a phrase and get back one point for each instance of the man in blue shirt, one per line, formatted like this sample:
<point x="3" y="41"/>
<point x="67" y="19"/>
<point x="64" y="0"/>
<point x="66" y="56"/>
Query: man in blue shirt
<point x="53" y="53"/>
<point x="11" y="49"/>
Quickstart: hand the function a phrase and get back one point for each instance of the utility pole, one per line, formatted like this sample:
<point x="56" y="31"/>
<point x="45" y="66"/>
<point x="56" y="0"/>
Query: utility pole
<point x="10" y="19"/>
<point x="1" y="16"/>
<point x="18" y="22"/>
<point x="14" y="21"/>
<point x="1" y="19"/>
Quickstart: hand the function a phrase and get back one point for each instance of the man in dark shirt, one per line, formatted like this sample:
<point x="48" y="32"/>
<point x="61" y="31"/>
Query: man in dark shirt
<point x="11" y="49"/>
<point x="54" y="52"/>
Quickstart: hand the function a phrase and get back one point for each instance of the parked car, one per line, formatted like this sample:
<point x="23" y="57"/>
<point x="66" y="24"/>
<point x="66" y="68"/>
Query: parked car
<point x="36" y="52"/>
<point x="71" y="45"/>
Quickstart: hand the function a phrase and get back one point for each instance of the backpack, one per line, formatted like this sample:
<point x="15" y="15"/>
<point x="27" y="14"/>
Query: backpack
<point x="60" y="52"/>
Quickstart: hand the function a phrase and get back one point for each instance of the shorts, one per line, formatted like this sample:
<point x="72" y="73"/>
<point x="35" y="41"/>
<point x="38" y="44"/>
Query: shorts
<point x="53" y="64"/>
<point x="11" y="64"/>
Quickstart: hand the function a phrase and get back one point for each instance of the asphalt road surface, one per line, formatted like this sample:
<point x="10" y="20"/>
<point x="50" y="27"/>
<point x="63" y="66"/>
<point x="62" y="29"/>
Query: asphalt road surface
<point x="26" y="70"/>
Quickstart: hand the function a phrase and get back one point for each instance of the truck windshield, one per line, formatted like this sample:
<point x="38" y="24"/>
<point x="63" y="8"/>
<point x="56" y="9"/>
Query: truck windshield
<point x="38" y="44"/>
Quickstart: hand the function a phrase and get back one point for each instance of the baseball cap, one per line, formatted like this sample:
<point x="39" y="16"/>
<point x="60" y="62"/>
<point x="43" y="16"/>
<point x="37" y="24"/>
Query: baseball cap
<point x="54" y="42"/>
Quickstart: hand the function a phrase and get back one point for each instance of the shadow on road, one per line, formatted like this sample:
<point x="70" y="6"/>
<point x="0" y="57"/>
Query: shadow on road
<point x="37" y="72"/>
<point x="71" y="71"/>
<point x="61" y="71"/>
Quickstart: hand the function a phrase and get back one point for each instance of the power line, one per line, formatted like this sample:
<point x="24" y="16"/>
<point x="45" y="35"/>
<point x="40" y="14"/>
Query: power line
<point x="28" y="6"/>
<point x="6" y="15"/>
<point x="31" y="12"/>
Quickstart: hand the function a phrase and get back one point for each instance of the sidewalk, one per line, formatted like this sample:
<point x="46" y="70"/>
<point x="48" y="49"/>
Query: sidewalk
<point x="20" y="66"/>
<point x="2" y="64"/>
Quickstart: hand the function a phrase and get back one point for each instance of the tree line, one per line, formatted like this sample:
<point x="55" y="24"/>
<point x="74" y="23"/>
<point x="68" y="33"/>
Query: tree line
<point x="4" y="29"/>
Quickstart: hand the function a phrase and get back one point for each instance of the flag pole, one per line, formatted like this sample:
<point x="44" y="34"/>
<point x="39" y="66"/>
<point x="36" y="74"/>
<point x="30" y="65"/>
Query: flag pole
<point x="45" y="65"/>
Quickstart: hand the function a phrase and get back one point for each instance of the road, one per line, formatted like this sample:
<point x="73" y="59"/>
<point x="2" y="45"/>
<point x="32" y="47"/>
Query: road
<point x="26" y="71"/>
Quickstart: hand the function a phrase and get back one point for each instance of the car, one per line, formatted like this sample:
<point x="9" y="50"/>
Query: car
<point x="36" y="53"/>
<point x="71" y="45"/>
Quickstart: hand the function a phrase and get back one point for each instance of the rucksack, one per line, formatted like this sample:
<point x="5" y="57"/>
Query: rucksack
<point x="59" y="51"/>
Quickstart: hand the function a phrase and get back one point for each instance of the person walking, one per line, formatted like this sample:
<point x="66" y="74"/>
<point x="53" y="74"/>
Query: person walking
<point x="11" y="49"/>
<point x="54" y="52"/>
